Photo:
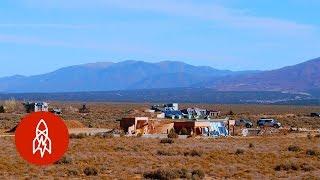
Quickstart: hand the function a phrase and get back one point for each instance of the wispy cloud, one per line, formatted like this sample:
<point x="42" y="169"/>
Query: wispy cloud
<point x="224" y="16"/>
<point x="214" y="12"/>
<point x="132" y="49"/>
<point x="120" y="47"/>
<point x="28" y="40"/>
<point x="45" y="25"/>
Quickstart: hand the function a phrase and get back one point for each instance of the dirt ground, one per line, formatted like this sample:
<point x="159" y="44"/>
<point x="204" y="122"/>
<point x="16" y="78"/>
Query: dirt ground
<point x="105" y="115"/>
<point x="129" y="158"/>
<point x="286" y="156"/>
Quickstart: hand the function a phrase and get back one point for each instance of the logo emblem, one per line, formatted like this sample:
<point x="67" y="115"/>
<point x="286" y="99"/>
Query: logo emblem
<point x="41" y="138"/>
<point x="42" y="142"/>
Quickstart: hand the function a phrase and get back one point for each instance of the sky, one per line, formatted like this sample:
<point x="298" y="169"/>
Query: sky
<point x="39" y="36"/>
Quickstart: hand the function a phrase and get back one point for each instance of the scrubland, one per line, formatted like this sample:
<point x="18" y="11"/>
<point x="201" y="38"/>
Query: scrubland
<point x="131" y="157"/>
<point x="287" y="156"/>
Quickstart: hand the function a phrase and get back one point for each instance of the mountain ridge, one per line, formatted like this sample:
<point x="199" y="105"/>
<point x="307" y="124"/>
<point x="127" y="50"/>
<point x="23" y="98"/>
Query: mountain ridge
<point x="131" y="74"/>
<point x="105" y="76"/>
<point x="299" y="77"/>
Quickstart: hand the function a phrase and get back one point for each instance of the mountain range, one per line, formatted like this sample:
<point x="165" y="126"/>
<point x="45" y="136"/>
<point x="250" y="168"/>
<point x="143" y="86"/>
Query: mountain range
<point x="129" y="75"/>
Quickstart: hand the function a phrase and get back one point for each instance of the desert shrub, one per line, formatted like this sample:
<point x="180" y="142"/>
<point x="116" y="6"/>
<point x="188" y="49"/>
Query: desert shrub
<point x="239" y="151"/>
<point x="165" y="153"/>
<point x="295" y="167"/>
<point x="166" y="141"/>
<point x="294" y="148"/>
<point x="193" y="153"/>
<point x="251" y="145"/>
<point x="161" y="174"/>
<point x="2" y="109"/>
<point x="122" y="134"/>
<point x="172" y="134"/>
<point x="64" y="160"/>
<point x="72" y="172"/>
<point x="231" y="113"/>
<point x="90" y="171"/>
<point x="287" y="167"/>
<point x="281" y="167"/>
<point x="311" y="152"/>
<point x="198" y="174"/>
<point x="10" y="105"/>
<point x="119" y="148"/>
<point x="309" y="136"/>
<point x="78" y="136"/>
<point x="139" y="134"/>
<point x="192" y="135"/>
<point x="306" y="167"/>
<point x="166" y="174"/>
<point x="184" y="131"/>
<point x="317" y="136"/>
<point x="105" y="135"/>
<point x="185" y="174"/>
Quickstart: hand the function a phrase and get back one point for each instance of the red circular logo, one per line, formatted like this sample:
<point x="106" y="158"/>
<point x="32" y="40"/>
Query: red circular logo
<point x="42" y="138"/>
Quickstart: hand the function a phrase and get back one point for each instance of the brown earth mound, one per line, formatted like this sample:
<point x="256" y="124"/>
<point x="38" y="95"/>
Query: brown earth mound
<point x="69" y="123"/>
<point x="74" y="124"/>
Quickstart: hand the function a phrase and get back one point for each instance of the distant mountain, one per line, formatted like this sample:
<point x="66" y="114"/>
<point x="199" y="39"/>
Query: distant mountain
<point x="130" y="75"/>
<point x="300" y="77"/>
<point x="113" y="76"/>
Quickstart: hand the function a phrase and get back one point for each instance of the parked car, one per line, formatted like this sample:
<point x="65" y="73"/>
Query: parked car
<point x="244" y="122"/>
<point x="268" y="123"/>
<point x="173" y="114"/>
<point x="56" y="111"/>
<point x="317" y="114"/>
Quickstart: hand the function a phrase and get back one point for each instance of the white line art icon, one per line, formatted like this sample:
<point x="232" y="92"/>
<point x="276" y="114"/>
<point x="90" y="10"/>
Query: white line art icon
<point x="42" y="142"/>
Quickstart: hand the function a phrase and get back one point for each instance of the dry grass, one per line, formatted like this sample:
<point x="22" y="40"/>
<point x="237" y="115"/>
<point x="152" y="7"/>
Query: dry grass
<point x="106" y="157"/>
<point x="105" y="115"/>
<point x="125" y="158"/>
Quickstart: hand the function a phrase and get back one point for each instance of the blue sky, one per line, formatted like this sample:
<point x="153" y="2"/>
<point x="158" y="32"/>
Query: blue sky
<point x="38" y="36"/>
